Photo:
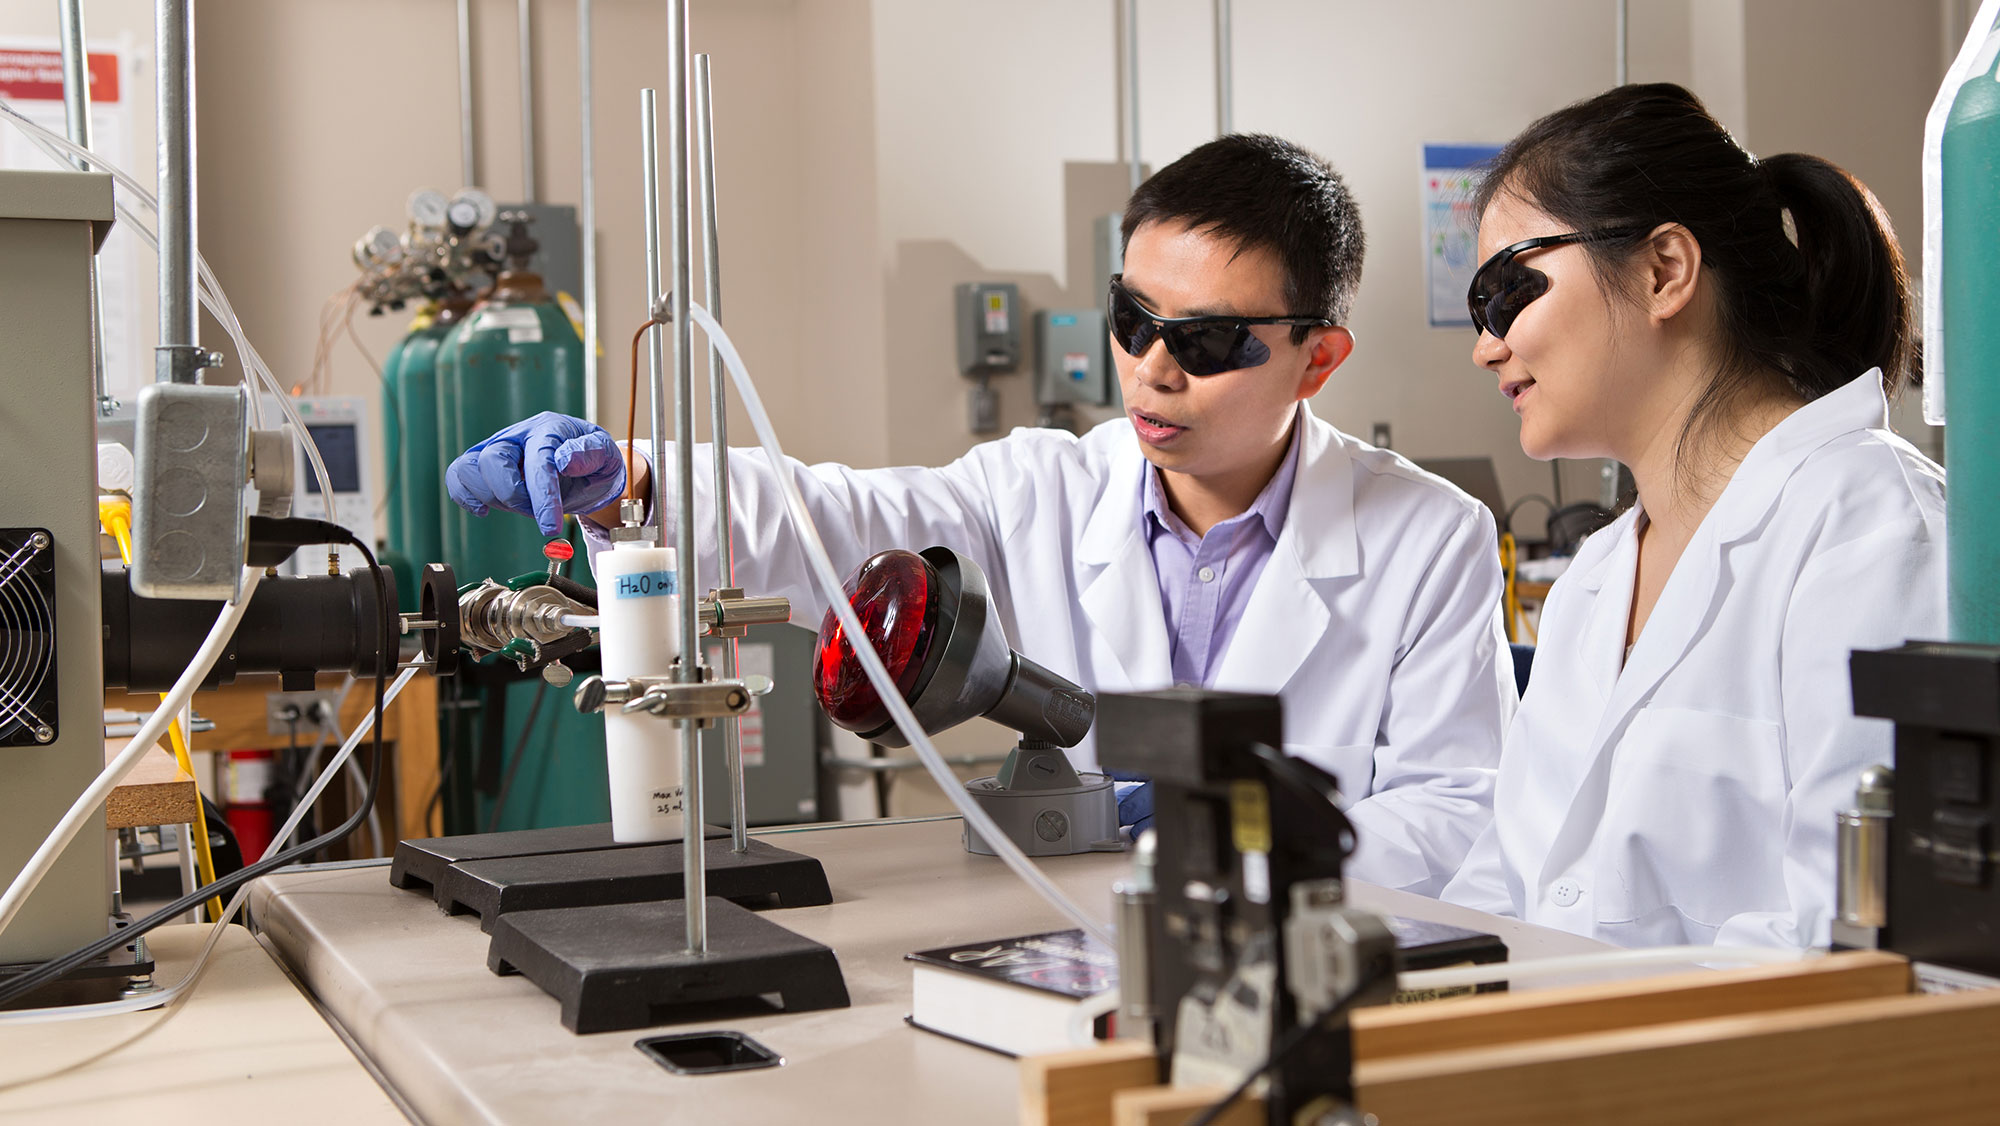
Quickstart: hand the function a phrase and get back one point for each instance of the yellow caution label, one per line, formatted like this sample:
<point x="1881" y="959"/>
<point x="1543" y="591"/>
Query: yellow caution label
<point x="1250" y="816"/>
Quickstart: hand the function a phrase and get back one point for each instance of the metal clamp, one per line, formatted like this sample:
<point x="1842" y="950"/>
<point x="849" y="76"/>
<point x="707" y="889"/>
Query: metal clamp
<point x="726" y="612"/>
<point x="183" y="363"/>
<point x="704" y="701"/>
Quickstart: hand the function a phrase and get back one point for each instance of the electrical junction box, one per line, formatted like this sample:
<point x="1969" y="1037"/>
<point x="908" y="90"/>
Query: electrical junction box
<point x="989" y="327"/>
<point x="1072" y="357"/>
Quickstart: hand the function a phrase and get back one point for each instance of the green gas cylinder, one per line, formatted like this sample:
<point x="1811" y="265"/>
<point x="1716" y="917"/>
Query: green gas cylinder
<point x="515" y="355"/>
<point x="1971" y="312"/>
<point x="415" y="460"/>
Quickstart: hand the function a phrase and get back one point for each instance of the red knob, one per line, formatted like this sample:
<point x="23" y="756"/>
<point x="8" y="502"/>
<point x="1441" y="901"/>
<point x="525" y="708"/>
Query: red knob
<point x="558" y="549"/>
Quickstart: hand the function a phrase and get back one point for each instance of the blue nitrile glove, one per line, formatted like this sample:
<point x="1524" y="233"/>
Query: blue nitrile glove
<point x="1135" y="809"/>
<point x="543" y="467"/>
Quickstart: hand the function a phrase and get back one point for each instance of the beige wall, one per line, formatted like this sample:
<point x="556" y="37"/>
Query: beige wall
<point x="319" y="119"/>
<point x="874" y="152"/>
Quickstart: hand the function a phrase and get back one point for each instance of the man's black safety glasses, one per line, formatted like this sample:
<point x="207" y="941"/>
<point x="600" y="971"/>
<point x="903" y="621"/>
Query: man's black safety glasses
<point x="1504" y="287"/>
<point x="1200" y="345"/>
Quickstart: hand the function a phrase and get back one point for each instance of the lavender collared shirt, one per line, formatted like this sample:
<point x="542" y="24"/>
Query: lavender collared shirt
<point x="1205" y="581"/>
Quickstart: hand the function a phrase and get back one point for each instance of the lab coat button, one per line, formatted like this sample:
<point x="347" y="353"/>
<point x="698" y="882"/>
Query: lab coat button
<point x="1565" y="893"/>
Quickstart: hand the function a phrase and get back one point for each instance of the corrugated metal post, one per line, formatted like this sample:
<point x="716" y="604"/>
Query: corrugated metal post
<point x="1132" y="88"/>
<point x="525" y="38"/>
<point x="76" y="115"/>
<point x="178" y="359"/>
<point x="1225" y="72"/>
<point x="467" y="171"/>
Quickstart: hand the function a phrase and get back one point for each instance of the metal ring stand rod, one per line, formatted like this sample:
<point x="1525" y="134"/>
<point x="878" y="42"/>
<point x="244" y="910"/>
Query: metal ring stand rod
<point x="587" y="208"/>
<point x="694" y="866"/>
<point x="718" y="405"/>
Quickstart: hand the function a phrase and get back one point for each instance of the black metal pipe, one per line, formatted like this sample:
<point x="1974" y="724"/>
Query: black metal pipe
<point x="294" y="626"/>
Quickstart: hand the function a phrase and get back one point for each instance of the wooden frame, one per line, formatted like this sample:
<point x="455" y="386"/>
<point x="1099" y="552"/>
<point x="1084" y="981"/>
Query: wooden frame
<point x="410" y="722"/>
<point x="1838" y="1039"/>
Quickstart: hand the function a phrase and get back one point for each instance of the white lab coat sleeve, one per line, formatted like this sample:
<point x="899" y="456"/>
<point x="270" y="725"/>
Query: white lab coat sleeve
<point x="858" y="512"/>
<point x="1872" y="592"/>
<point x="1451" y="695"/>
<point x="1481" y="882"/>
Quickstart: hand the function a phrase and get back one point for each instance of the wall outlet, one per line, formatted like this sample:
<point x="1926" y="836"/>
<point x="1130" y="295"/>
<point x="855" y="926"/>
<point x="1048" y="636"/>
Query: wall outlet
<point x="1378" y="436"/>
<point x="301" y="713"/>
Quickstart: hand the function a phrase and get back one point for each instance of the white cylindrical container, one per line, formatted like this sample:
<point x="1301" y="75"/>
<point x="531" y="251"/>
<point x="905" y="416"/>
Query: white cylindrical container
<point x="639" y="603"/>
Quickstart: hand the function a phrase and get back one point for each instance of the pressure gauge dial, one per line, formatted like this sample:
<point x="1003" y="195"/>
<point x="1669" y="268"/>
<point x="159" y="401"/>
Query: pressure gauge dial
<point x="471" y="209"/>
<point x="428" y="208"/>
<point x="378" y="246"/>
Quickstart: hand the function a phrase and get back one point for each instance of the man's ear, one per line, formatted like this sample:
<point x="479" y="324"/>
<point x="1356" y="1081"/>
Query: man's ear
<point x="1673" y="266"/>
<point x="1328" y="348"/>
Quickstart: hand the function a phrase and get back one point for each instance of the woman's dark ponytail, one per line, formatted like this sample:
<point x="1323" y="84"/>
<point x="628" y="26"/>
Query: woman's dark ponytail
<point x="1857" y="310"/>
<point x="1813" y="315"/>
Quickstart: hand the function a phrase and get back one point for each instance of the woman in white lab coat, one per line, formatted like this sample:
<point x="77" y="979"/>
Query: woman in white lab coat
<point x="1728" y="328"/>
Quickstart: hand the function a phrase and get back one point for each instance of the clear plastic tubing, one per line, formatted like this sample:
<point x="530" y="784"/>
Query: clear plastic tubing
<point x="212" y="296"/>
<point x="1459" y="977"/>
<point x="871" y="663"/>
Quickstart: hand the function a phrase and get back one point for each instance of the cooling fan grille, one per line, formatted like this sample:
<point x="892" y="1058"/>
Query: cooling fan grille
<point x="27" y="637"/>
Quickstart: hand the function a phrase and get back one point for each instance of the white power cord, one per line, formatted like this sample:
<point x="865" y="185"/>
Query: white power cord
<point x="86" y="805"/>
<point x="171" y="994"/>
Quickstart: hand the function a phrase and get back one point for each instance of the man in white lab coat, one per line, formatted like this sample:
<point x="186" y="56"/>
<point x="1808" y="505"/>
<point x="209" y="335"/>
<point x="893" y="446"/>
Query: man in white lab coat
<point x="1220" y="534"/>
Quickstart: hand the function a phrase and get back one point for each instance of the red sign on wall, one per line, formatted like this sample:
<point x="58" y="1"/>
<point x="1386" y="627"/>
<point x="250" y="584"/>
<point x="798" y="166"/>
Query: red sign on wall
<point x="37" y="76"/>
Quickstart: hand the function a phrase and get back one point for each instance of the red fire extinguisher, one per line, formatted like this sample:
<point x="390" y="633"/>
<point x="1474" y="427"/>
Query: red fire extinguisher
<point x="244" y="806"/>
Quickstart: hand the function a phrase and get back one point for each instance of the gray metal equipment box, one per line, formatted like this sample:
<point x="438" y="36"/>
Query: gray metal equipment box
<point x="989" y="327"/>
<point x="51" y="224"/>
<point x="1072" y="357"/>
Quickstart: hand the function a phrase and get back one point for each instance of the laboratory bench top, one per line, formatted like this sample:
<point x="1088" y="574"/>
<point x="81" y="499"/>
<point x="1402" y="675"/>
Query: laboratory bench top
<point x="456" y="1043"/>
<point x="246" y="1046"/>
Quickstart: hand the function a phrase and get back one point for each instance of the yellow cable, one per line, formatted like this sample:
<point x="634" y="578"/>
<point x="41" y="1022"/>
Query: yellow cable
<point x="1510" y="601"/>
<point x="116" y="517"/>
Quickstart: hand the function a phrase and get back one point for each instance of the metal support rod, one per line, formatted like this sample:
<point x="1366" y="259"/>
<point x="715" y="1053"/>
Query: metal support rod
<point x="587" y="212"/>
<point x="527" y="49"/>
<point x="1624" y="36"/>
<point x="173" y="59"/>
<point x="76" y="115"/>
<point x="1132" y="88"/>
<point x="467" y="171"/>
<point x="681" y="326"/>
<point x="1225" y="72"/>
<point x="718" y="432"/>
<point x="76" y="72"/>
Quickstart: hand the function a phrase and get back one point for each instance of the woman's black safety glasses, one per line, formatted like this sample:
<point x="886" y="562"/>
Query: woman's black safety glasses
<point x="1504" y="287"/>
<point x="1200" y="345"/>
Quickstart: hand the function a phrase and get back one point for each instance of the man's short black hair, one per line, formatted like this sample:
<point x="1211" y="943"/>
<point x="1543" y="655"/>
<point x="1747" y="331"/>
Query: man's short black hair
<point x="1259" y="191"/>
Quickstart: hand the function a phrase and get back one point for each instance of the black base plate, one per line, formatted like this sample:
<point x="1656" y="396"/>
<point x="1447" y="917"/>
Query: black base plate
<point x="762" y="876"/>
<point x="422" y="862"/>
<point x="623" y="966"/>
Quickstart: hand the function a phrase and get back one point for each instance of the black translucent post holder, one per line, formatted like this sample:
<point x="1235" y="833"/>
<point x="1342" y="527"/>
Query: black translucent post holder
<point x="626" y="966"/>
<point x="762" y="876"/>
<point x="423" y="861"/>
<point x="601" y="926"/>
